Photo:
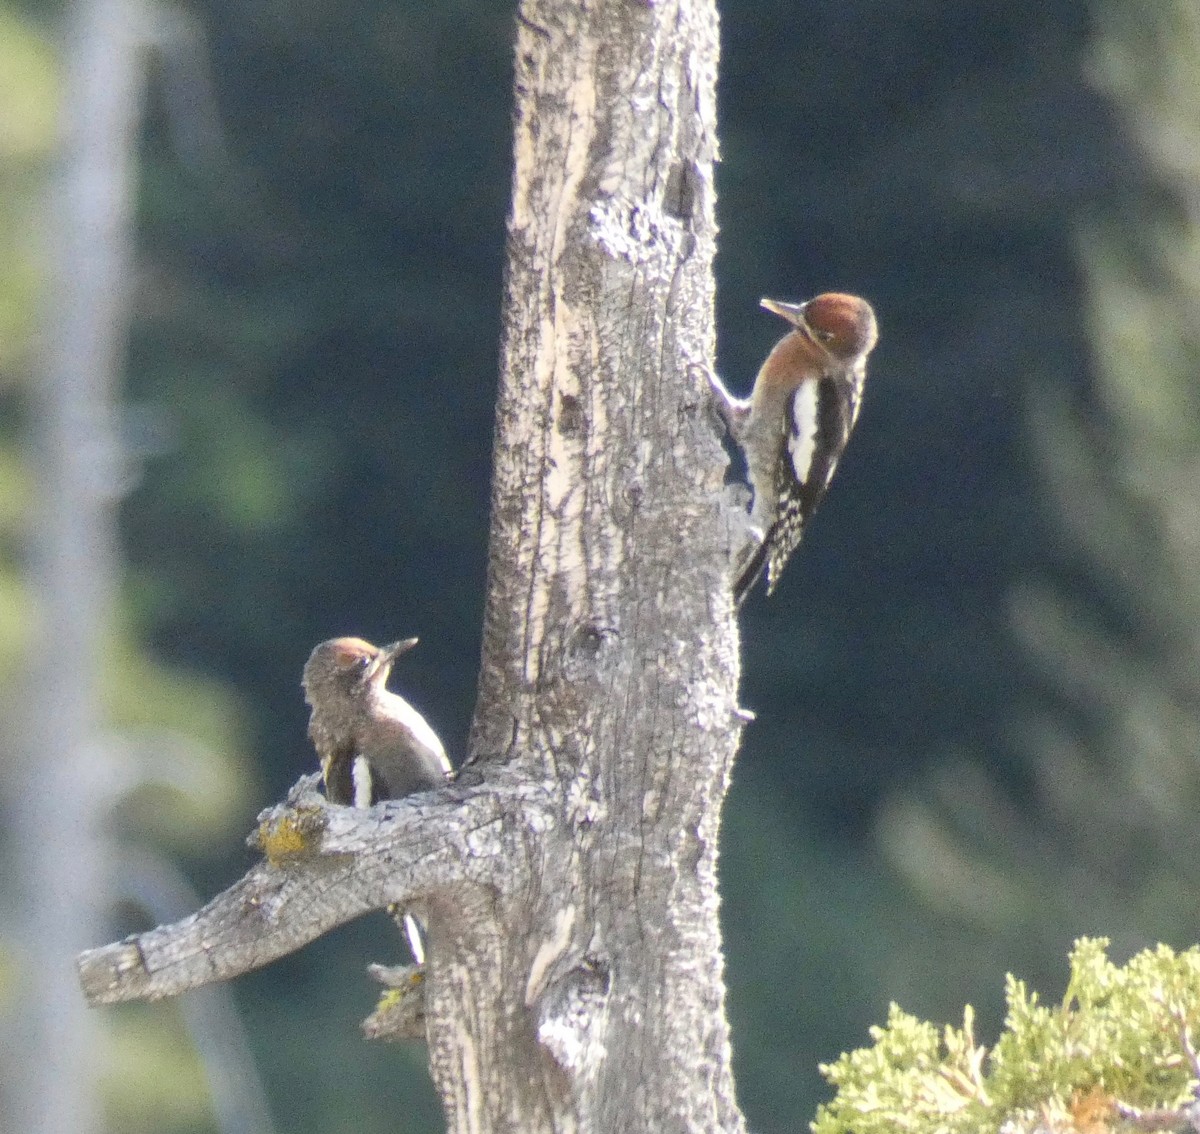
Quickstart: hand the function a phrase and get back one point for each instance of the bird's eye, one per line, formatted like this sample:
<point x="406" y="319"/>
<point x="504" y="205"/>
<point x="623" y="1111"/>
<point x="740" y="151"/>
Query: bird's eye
<point x="824" y="335"/>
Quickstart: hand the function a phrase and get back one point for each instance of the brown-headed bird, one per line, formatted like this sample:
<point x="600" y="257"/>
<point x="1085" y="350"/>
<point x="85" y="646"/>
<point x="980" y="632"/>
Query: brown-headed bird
<point x="372" y="743"/>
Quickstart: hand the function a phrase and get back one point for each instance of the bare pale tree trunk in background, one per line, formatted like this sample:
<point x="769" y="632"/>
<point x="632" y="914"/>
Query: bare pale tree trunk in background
<point x="61" y="854"/>
<point x="569" y="877"/>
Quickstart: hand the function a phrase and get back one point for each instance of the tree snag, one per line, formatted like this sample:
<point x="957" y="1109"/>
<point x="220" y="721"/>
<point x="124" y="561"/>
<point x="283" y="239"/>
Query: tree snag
<point x="568" y="878"/>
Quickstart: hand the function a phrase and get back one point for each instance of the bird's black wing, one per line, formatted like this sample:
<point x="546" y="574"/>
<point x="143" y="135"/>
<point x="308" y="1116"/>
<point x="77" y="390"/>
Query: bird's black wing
<point x="338" y="772"/>
<point x="820" y="419"/>
<point x="819" y="426"/>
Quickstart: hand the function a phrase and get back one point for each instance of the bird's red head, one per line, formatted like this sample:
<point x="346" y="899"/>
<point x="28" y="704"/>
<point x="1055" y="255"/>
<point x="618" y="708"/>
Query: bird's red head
<point x="842" y="325"/>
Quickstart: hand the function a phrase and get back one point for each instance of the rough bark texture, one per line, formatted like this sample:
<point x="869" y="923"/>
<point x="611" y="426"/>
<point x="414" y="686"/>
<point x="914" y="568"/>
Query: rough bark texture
<point x="325" y="865"/>
<point x="610" y="656"/>
<point x="569" y="878"/>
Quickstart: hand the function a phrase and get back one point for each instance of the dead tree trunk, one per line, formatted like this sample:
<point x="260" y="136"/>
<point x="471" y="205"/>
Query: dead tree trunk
<point x="610" y="657"/>
<point x="569" y="877"/>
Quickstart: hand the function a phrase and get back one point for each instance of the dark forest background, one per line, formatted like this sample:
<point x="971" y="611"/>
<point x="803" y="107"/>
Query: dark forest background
<point x="978" y="709"/>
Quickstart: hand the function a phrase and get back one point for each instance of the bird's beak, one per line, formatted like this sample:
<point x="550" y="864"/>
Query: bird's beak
<point x="383" y="661"/>
<point x="792" y="312"/>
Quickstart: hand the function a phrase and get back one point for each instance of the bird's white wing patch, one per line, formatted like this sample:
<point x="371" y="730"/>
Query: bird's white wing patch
<point x="412" y="930"/>
<point x="802" y="438"/>
<point x="360" y="775"/>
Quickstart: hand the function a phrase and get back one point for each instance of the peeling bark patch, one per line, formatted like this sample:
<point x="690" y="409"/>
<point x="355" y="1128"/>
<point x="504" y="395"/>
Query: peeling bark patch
<point x="679" y="197"/>
<point x="624" y="230"/>
<point x="574" y="1021"/>
<point x="472" y="1083"/>
<point x="570" y="415"/>
<point x="549" y="952"/>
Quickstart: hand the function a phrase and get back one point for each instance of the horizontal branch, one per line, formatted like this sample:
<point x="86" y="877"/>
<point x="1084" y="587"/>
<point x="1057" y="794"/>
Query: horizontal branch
<point x="324" y="865"/>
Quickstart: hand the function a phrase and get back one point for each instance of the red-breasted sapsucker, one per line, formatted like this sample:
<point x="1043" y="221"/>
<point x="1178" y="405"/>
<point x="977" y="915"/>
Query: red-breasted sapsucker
<point x="795" y="425"/>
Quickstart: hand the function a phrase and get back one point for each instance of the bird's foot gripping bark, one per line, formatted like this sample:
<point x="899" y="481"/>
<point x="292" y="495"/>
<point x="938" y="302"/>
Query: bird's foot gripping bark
<point x="732" y="411"/>
<point x="400" y="1012"/>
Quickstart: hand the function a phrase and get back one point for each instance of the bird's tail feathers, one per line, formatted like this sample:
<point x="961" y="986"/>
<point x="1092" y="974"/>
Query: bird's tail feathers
<point x="749" y="574"/>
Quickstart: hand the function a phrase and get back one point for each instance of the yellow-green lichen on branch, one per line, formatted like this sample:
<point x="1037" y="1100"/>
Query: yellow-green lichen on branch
<point x="400" y="1011"/>
<point x="295" y="833"/>
<point x="1117" y="1038"/>
<point x="391" y="999"/>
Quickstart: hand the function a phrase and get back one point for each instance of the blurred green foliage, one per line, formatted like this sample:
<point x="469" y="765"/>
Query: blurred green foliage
<point x="1102" y="743"/>
<point x="28" y="92"/>
<point x="976" y="731"/>
<point x="180" y="731"/>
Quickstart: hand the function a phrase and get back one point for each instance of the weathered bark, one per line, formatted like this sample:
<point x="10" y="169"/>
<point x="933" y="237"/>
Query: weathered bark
<point x="569" y="878"/>
<point x="610" y="656"/>
<point x="325" y="865"/>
